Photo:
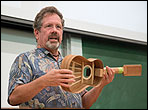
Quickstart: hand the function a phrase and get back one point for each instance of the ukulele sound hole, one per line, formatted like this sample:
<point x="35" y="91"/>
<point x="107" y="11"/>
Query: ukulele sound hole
<point x="87" y="72"/>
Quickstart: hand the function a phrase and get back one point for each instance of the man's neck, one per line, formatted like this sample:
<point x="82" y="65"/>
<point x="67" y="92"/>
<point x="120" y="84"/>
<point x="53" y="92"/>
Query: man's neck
<point x="52" y="51"/>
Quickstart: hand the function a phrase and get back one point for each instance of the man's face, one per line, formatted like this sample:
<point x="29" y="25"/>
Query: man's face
<point x="50" y="34"/>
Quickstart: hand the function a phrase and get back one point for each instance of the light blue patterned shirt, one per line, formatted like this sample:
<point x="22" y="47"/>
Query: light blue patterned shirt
<point x="31" y="65"/>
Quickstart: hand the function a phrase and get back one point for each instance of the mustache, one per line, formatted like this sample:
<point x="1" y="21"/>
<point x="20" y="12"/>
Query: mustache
<point x="53" y="35"/>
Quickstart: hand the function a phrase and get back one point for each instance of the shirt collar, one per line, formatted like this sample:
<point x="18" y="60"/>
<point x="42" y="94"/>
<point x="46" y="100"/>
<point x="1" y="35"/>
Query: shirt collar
<point x="43" y="53"/>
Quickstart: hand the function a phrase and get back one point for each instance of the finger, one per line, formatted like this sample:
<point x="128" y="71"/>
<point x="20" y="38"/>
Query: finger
<point x="113" y="71"/>
<point x="109" y="70"/>
<point x="67" y="81"/>
<point x="65" y="71"/>
<point x="64" y="85"/>
<point x="67" y="76"/>
<point x="105" y="75"/>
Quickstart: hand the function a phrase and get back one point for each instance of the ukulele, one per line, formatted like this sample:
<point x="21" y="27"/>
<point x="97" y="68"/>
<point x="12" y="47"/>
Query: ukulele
<point x="89" y="72"/>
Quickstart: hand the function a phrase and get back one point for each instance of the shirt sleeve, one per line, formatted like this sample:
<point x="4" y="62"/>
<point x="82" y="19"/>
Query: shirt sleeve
<point x="20" y="72"/>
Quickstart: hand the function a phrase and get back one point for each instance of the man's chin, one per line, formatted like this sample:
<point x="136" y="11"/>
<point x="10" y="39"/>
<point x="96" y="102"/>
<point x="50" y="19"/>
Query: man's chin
<point x="52" y="46"/>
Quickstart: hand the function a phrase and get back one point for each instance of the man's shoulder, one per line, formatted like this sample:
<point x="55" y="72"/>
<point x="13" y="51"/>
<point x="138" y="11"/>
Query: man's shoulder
<point x="28" y="53"/>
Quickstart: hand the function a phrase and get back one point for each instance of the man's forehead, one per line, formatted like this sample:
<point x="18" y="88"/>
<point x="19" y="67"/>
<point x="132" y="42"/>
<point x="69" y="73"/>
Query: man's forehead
<point x="51" y="17"/>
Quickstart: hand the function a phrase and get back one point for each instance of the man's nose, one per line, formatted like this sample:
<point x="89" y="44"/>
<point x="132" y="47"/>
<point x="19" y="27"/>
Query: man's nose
<point x="54" y="29"/>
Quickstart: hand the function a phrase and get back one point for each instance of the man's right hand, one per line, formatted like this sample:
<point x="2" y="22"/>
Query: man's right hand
<point x="57" y="77"/>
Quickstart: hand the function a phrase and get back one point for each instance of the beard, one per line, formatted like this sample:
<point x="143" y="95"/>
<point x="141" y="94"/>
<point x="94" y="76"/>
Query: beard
<point x="53" y="46"/>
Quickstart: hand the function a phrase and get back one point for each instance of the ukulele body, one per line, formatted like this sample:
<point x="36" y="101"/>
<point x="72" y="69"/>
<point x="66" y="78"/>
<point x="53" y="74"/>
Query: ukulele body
<point x="84" y="71"/>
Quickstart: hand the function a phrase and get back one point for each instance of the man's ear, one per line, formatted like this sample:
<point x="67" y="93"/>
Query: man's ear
<point x="36" y="33"/>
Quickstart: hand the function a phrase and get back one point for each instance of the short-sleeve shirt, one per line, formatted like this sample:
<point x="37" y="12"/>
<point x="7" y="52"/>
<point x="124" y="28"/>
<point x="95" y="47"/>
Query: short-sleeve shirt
<point x="29" y="66"/>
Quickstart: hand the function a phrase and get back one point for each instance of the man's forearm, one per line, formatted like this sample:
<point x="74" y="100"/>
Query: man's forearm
<point x="90" y="97"/>
<point x="25" y="92"/>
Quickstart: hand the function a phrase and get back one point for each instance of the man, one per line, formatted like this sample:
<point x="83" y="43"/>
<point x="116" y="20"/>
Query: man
<point x="36" y="78"/>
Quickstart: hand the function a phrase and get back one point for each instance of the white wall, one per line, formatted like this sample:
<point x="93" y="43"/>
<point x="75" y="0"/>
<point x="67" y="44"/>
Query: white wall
<point x="126" y="19"/>
<point x="7" y="58"/>
<point x="5" y="68"/>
